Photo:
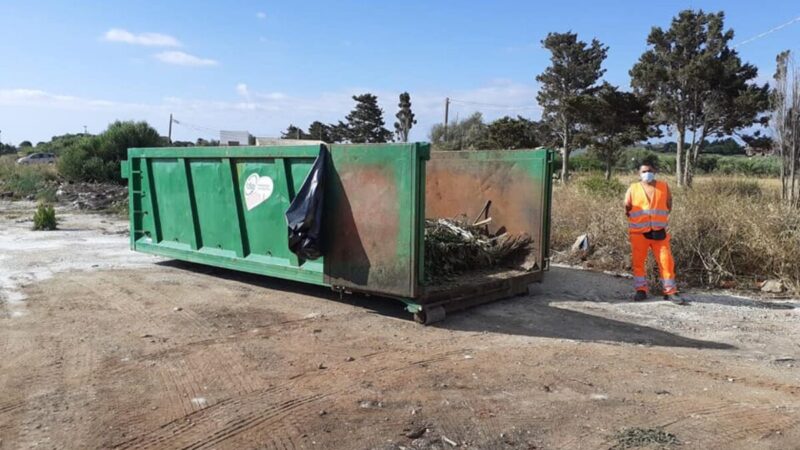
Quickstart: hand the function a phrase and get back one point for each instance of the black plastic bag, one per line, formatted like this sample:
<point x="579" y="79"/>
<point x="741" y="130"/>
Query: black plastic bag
<point x="304" y="215"/>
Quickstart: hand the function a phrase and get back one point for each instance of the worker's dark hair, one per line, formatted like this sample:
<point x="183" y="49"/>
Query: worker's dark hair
<point x="650" y="161"/>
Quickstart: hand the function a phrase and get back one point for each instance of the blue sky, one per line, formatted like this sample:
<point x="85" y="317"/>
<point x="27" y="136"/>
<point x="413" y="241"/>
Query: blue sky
<point x="260" y="65"/>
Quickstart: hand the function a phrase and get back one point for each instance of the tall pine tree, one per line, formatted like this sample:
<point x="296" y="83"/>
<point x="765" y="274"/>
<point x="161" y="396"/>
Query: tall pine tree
<point x="574" y="70"/>
<point x="293" y="132"/>
<point x="318" y="131"/>
<point x="405" y="118"/>
<point x="365" y="122"/>
<point x="697" y="84"/>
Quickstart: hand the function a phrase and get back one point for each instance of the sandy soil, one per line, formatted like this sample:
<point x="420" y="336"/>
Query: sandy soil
<point x="104" y="348"/>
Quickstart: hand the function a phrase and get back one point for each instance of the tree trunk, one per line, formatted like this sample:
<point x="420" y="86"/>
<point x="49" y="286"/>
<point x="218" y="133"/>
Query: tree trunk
<point x="697" y="145"/>
<point x="793" y="197"/>
<point x="783" y="171"/>
<point x="565" y="159"/>
<point x="679" y="155"/>
<point x="687" y="164"/>
<point x="608" y="169"/>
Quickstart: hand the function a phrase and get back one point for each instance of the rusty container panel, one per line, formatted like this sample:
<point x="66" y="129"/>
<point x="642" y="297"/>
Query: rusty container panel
<point x="373" y="218"/>
<point x="517" y="182"/>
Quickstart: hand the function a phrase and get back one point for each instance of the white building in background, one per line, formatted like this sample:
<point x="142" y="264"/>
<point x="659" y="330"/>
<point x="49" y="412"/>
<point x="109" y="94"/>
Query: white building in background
<point x="234" y="138"/>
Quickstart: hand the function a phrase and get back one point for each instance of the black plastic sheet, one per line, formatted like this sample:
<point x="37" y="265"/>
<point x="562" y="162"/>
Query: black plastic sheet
<point x="304" y="215"/>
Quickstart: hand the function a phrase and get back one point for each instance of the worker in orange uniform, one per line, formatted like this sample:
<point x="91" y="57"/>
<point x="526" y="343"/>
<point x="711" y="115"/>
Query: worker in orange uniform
<point x="647" y="204"/>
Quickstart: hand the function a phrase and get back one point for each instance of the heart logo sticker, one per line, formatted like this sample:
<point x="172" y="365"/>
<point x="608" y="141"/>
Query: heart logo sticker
<point x="257" y="190"/>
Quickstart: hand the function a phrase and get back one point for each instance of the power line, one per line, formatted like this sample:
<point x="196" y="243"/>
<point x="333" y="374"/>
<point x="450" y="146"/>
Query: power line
<point x="768" y="32"/>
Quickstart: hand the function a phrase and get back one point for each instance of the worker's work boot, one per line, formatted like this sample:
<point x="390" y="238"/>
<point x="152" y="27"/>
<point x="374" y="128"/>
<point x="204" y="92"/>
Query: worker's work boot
<point x="640" y="296"/>
<point x="676" y="299"/>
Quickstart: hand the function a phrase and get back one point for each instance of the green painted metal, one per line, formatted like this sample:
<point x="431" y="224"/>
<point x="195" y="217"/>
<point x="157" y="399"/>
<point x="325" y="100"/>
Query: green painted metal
<point x="191" y="203"/>
<point x="375" y="220"/>
<point x="188" y="203"/>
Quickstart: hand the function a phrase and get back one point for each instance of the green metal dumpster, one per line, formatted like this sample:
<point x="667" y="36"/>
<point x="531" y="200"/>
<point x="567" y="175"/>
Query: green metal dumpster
<point x="224" y="206"/>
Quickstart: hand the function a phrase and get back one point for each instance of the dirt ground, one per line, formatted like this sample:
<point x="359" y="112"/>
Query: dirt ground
<point x="105" y="348"/>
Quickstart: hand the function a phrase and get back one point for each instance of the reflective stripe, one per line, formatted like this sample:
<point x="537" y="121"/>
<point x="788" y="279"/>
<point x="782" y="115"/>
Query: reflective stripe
<point x="639" y="225"/>
<point x="648" y="212"/>
<point x="640" y="281"/>
<point x="658" y="224"/>
<point x="668" y="282"/>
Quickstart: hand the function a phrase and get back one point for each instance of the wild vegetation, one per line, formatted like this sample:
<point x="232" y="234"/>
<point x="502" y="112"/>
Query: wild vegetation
<point x="44" y="219"/>
<point x="36" y="182"/>
<point x="727" y="231"/>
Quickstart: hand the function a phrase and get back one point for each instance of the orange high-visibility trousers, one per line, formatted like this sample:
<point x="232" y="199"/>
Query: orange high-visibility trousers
<point x="640" y="246"/>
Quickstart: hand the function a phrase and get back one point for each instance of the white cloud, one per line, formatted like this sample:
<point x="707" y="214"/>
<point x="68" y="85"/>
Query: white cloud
<point x="148" y="39"/>
<point x="36" y="97"/>
<point x="261" y="15"/>
<point x="38" y="114"/>
<point x="184" y="59"/>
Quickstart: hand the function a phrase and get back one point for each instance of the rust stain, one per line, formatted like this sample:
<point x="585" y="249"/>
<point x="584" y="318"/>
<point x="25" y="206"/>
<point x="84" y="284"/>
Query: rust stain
<point x="365" y="224"/>
<point x="456" y="187"/>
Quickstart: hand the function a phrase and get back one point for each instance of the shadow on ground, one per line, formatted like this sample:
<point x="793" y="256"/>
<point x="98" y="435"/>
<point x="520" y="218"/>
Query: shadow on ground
<point x="534" y="316"/>
<point x="529" y="316"/>
<point x="379" y="305"/>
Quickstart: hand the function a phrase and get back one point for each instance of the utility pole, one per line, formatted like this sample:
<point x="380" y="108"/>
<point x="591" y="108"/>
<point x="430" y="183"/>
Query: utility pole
<point x="446" y="113"/>
<point x="169" y="137"/>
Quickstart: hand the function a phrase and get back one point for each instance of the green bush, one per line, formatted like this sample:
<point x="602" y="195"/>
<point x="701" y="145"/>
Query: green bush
<point x="754" y="166"/>
<point x="707" y="163"/>
<point x="97" y="158"/>
<point x="44" y="219"/>
<point x="598" y="185"/>
<point x="585" y="163"/>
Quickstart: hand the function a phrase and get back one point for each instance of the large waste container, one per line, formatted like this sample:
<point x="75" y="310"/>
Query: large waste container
<point x="198" y="204"/>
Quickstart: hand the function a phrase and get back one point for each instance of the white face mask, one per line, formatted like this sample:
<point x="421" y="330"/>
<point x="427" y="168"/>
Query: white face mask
<point x="648" y="177"/>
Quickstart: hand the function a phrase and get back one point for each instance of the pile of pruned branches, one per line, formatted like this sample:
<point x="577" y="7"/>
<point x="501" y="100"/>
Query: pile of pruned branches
<point x="454" y="246"/>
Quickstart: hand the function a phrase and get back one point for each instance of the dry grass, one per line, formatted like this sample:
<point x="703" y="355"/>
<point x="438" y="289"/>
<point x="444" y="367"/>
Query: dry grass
<point x="23" y="181"/>
<point x="726" y="232"/>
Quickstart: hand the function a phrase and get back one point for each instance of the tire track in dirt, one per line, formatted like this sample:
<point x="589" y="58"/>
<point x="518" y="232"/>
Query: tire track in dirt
<point x="234" y="370"/>
<point x="246" y="414"/>
<point x="130" y="304"/>
<point x="200" y="429"/>
<point x="728" y="422"/>
<point x="755" y="382"/>
<point x="182" y="372"/>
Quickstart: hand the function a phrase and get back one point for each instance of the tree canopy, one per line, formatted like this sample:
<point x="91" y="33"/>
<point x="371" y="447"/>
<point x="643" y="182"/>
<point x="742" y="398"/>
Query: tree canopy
<point x="319" y="131"/>
<point x="466" y="134"/>
<point x="405" y="118"/>
<point x="613" y="120"/>
<point x="513" y="133"/>
<point x="697" y="84"/>
<point x="365" y="122"/>
<point x="575" y="68"/>
<point x="293" y="132"/>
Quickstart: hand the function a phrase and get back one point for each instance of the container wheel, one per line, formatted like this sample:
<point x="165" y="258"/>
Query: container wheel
<point x="430" y="315"/>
